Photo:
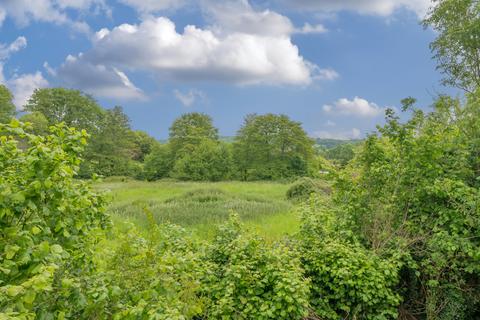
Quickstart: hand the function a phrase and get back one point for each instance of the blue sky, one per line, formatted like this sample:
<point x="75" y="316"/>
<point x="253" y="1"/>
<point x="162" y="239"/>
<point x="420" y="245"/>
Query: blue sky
<point x="333" y="65"/>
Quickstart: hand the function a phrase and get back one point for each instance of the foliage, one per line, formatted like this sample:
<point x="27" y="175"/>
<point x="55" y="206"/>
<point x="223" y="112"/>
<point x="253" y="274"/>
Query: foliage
<point x="248" y="280"/>
<point x="188" y="131"/>
<point x="415" y="187"/>
<point x="38" y="122"/>
<point x="303" y="188"/>
<point x="143" y="145"/>
<point x="340" y="154"/>
<point x="272" y="147"/>
<point x="208" y="161"/>
<point x="158" y="163"/>
<point x="7" y="108"/>
<point x="348" y="280"/>
<point x="457" y="23"/>
<point x="154" y="276"/>
<point x="48" y="224"/>
<point x="72" y="107"/>
<point x="110" y="150"/>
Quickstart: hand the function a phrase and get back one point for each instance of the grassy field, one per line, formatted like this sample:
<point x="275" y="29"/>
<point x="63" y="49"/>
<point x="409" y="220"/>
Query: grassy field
<point x="200" y="206"/>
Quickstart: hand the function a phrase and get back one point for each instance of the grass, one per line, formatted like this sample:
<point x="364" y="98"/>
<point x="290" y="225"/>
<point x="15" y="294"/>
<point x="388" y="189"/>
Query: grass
<point x="200" y="206"/>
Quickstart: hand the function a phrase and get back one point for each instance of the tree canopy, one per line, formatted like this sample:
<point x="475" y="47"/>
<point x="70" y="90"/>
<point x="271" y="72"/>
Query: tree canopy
<point x="272" y="146"/>
<point x="456" y="48"/>
<point x="7" y="109"/>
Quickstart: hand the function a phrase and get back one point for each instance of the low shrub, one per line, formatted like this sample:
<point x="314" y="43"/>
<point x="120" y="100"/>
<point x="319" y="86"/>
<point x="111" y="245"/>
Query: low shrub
<point x="304" y="187"/>
<point x="247" y="279"/>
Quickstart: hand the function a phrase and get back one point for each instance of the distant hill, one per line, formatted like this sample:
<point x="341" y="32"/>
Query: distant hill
<point x="332" y="143"/>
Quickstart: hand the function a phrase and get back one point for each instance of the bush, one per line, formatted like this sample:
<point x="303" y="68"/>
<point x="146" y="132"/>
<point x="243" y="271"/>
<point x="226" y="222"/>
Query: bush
<point x="154" y="276"/>
<point x="208" y="161"/>
<point x="348" y="280"/>
<point x="304" y="187"/>
<point x="49" y="224"/>
<point x="247" y="279"/>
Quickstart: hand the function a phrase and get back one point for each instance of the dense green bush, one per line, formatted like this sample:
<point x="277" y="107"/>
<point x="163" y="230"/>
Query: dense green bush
<point x="207" y="161"/>
<point x="247" y="279"/>
<point x="155" y="276"/>
<point x="348" y="280"/>
<point x="414" y="186"/>
<point x="158" y="163"/>
<point x="304" y="187"/>
<point x="49" y="224"/>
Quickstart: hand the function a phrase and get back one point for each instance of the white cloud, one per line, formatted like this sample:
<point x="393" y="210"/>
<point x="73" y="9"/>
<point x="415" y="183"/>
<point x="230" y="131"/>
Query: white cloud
<point x="356" y="107"/>
<point x="376" y="7"/>
<point x="311" y="29"/>
<point x="53" y="11"/>
<point x="97" y="79"/>
<point x="238" y="16"/>
<point x="354" y="133"/>
<point x="22" y="87"/>
<point x="330" y="123"/>
<point x="151" y="6"/>
<point x="188" y="98"/>
<point x="327" y="74"/>
<point x="18" y="44"/>
<point x="200" y="54"/>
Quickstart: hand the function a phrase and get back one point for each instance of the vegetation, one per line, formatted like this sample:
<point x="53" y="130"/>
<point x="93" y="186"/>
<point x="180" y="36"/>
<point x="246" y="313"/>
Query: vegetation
<point x="391" y="232"/>
<point x="7" y="109"/>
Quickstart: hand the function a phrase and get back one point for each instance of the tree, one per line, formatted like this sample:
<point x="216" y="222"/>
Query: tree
<point x="272" y="146"/>
<point x="110" y="149"/>
<point x="143" y="145"/>
<point x="159" y="162"/>
<point x="73" y="107"/>
<point x="457" y="46"/>
<point x="7" y="109"/>
<point x="38" y="120"/>
<point x="189" y="130"/>
<point x="210" y="161"/>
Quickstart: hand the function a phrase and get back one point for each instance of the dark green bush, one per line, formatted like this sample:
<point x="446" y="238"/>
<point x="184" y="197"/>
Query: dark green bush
<point x="304" y="187"/>
<point x="247" y="279"/>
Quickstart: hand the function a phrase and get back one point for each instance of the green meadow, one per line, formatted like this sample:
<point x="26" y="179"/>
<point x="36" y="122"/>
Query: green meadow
<point x="200" y="206"/>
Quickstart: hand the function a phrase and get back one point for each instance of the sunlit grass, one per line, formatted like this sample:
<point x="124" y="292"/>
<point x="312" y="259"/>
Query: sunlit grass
<point x="200" y="207"/>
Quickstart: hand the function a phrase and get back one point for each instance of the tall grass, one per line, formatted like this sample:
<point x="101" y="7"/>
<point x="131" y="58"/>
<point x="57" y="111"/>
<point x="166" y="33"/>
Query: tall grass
<point x="201" y="206"/>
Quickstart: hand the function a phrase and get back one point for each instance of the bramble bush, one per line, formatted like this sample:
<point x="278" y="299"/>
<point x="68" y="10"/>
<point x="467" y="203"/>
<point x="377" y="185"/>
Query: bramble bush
<point x="247" y="279"/>
<point x="48" y="224"/>
<point x="304" y="187"/>
<point x="348" y="280"/>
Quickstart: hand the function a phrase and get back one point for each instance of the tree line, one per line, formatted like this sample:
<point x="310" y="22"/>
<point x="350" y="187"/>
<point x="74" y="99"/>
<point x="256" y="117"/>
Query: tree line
<point x="267" y="147"/>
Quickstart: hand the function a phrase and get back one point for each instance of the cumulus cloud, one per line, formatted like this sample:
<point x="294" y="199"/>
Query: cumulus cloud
<point x="151" y="6"/>
<point x="23" y="85"/>
<point x="96" y="79"/>
<point x="376" y="7"/>
<point x="188" y="98"/>
<point x="7" y="50"/>
<point x="354" y="133"/>
<point x="311" y="29"/>
<point x="53" y="11"/>
<point x="201" y="54"/>
<point x="238" y="16"/>
<point x="356" y="107"/>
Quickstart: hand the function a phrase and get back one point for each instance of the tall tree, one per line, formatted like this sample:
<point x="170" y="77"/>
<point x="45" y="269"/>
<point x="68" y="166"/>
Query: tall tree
<point x="73" y="107"/>
<point x="111" y="148"/>
<point x="457" y="46"/>
<point x="7" y="109"/>
<point x="272" y="146"/>
<point x="189" y="130"/>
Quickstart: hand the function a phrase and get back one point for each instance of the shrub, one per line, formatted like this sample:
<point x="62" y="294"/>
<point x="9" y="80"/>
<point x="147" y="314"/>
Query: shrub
<point x="247" y="279"/>
<point x="155" y="276"/>
<point x="348" y="281"/>
<point x="49" y="224"/>
<point x="304" y="187"/>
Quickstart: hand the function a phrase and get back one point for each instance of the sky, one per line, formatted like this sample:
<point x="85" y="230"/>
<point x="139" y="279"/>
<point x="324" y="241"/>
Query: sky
<point x="333" y="65"/>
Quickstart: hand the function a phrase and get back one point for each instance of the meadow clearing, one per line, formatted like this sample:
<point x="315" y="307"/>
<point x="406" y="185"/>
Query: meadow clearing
<point x="200" y="206"/>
